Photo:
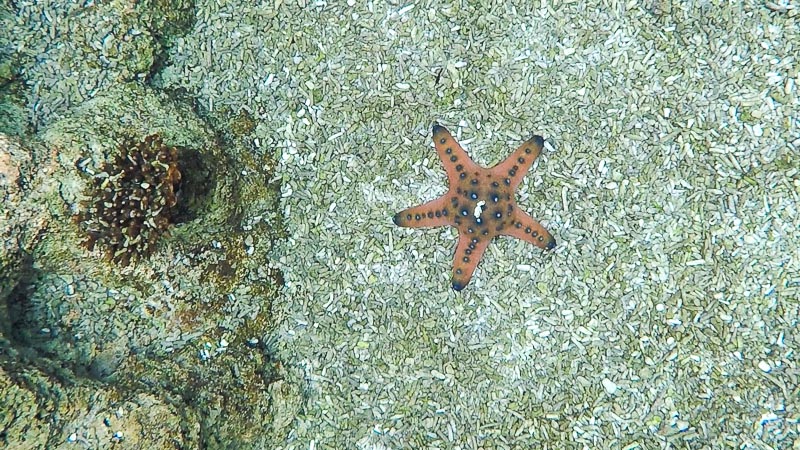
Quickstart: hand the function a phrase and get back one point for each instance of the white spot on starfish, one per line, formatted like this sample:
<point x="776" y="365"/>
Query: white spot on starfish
<point x="478" y="209"/>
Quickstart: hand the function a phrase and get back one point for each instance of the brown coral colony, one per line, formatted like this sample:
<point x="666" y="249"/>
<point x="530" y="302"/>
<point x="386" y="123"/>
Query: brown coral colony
<point x="133" y="200"/>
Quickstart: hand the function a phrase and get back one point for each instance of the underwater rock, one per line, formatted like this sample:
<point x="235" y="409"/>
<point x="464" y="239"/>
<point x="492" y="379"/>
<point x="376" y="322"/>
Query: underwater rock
<point x="24" y="179"/>
<point x="172" y="319"/>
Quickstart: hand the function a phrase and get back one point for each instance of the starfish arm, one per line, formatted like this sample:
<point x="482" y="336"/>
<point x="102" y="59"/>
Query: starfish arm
<point x="468" y="254"/>
<point x="525" y="227"/>
<point x="455" y="160"/>
<point x="431" y="214"/>
<point x="517" y="164"/>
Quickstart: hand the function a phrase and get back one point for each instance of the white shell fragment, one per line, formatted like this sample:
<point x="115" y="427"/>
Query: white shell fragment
<point x="609" y="386"/>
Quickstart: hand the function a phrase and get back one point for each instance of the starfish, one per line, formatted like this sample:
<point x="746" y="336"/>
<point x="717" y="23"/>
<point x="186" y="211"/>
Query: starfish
<point x="480" y="203"/>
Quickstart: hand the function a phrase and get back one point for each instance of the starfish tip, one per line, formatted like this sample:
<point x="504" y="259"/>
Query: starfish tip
<point x="537" y="140"/>
<point x="437" y="127"/>
<point x="458" y="286"/>
<point x="552" y="244"/>
<point x="396" y="219"/>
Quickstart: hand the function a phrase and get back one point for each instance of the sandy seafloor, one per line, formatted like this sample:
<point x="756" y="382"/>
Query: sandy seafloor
<point x="666" y="317"/>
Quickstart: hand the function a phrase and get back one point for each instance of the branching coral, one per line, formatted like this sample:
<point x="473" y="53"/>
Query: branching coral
<point x="133" y="200"/>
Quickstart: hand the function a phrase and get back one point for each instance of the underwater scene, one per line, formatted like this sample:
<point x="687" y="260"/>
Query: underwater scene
<point x="399" y="224"/>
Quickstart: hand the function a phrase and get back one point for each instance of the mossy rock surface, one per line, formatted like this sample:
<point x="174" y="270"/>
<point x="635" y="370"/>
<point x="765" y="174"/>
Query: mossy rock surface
<point x="189" y="321"/>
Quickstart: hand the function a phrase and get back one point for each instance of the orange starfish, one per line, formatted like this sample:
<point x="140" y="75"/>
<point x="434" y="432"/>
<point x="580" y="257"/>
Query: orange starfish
<point x="480" y="203"/>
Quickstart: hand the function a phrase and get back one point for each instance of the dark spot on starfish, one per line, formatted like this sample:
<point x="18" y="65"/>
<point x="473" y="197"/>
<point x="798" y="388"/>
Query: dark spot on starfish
<point x="470" y="230"/>
<point x="468" y="251"/>
<point x="474" y="181"/>
<point x="460" y="167"/>
<point x="498" y="214"/>
<point x="454" y="201"/>
<point x="471" y="247"/>
<point x="430" y="214"/>
<point x="528" y="229"/>
<point x="521" y="160"/>
<point x="473" y="195"/>
<point x="459" y="272"/>
<point x="417" y="217"/>
<point x="464" y="212"/>
<point x="449" y="150"/>
<point x="512" y="172"/>
<point x="495" y="184"/>
<point x="474" y="240"/>
<point x="518" y="225"/>
<point x="495" y="198"/>
<point x="458" y="190"/>
<point x="442" y="140"/>
<point x="444" y="212"/>
<point x="438" y="213"/>
<point x="541" y="238"/>
<point x="453" y="158"/>
<point x="535" y="233"/>
<point x="485" y="232"/>
<point x="408" y="216"/>
<point x="528" y="150"/>
<point x="510" y="208"/>
<point x="463" y="175"/>
<point x="507" y="181"/>
<point x="479" y="221"/>
<point x="466" y="259"/>
<point x="499" y="227"/>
